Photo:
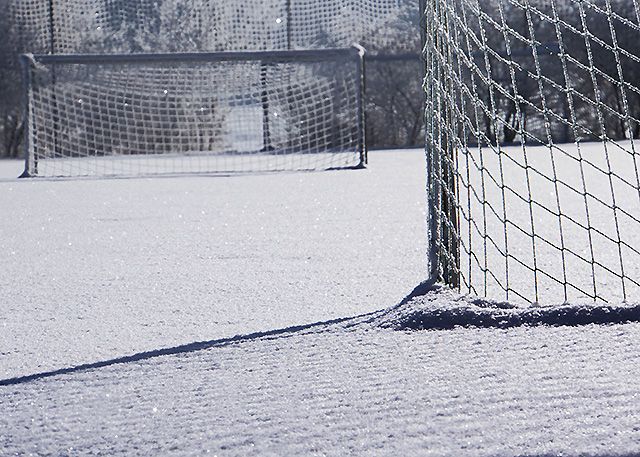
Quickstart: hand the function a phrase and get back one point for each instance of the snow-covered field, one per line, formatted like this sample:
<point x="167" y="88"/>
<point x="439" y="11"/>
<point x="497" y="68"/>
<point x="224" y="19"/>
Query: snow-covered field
<point x="97" y="272"/>
<point x="96" y="269"/>
<point x="358" y="387"/>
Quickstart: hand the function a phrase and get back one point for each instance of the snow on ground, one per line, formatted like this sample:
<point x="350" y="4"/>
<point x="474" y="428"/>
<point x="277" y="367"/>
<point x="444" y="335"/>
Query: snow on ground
<point x="96" y="272"/>
<point x="96" y="269"/>
<point x="10" y="169"/>
<point x="352" y="388"/>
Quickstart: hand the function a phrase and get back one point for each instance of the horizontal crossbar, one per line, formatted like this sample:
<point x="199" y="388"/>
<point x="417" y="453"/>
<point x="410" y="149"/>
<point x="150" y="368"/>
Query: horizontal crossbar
<point x="262" y="56"/>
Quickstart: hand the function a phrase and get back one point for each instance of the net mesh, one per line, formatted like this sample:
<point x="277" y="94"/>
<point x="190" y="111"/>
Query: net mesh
<point x="533" y="120"/>
<point x="118" y="26"/>
<point x="383" y="27"/>
<point x="138" y="115"/>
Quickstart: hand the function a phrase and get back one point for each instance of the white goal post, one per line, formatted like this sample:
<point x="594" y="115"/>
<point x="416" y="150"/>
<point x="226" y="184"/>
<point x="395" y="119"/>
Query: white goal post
<point x="533" y="136"/>
<point x="144" y="114"/>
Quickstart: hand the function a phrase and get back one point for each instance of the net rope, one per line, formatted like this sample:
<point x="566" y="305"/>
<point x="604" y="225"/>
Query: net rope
<point x="383" y="27"/>
<point x="191" y="115"/>
<point x="121" y="26"/>
<point x="533" y="121"/>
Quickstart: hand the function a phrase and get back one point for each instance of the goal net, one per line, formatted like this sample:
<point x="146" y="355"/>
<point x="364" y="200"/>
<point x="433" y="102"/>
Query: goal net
<point x="122" y="26"/>
<point x="132" y="115"/>
<point x="533" y="128"/>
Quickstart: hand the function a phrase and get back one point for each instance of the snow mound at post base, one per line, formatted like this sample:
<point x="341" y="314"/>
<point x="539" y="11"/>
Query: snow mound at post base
<point x="440" y="308"/>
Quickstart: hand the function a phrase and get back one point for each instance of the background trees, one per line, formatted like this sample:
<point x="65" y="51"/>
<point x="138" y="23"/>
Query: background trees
<point x="525" y="90"/>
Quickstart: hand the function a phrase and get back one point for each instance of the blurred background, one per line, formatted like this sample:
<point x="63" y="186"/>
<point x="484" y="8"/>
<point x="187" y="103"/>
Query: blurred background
<point x="387" y="29"/>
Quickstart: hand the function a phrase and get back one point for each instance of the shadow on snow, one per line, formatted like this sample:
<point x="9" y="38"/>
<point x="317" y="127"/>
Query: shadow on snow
<point x="428" y="307"/>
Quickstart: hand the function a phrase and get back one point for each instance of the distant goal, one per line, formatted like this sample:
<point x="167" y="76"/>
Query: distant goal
<point x="225" y="112"/>
<point x="533" y="148"/>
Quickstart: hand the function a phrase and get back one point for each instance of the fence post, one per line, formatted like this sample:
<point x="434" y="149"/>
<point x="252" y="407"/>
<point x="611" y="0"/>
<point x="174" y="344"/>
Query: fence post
<point x="52" y="33"/>
<point x="288" y="7"/>
<point x="264" y="98"/>
<point x="432" y="183"/>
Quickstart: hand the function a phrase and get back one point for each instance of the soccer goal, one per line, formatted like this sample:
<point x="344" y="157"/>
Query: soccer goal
<point x="136" y="115"/>
<point x="533" y="136"/>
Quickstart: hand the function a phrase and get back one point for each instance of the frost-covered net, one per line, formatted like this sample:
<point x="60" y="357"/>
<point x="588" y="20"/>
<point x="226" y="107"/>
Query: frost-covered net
<point x="114" y="26"/>
<point x="124" y="115"/>
<point x="533" y="128"/>
<point x="383" y="27"/>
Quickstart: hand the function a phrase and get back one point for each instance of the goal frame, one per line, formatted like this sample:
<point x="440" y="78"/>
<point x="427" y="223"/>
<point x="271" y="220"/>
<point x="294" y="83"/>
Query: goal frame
<point x="532" y="126"/>
<point x="355" y="52"/>
<point x="443" y="251"/>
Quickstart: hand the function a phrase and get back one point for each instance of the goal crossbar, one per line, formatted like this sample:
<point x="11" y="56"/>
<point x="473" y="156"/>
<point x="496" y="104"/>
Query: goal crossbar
<point x="307" y="55"/>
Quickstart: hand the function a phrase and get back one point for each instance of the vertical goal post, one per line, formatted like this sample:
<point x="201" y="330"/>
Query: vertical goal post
<point x="533" y="148"/>
<point x="139" y="114"/>
<point x="442" y="208"/>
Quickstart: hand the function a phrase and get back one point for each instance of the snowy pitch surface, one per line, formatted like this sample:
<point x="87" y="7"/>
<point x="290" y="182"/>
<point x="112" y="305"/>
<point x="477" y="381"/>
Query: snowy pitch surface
<point x="353" y="388"/>
<point x="96" y="269"/>
<point x="103" y="269"/>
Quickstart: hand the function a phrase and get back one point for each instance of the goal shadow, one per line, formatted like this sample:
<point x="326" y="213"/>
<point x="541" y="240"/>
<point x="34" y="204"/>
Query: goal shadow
<point x="429" y="306"/>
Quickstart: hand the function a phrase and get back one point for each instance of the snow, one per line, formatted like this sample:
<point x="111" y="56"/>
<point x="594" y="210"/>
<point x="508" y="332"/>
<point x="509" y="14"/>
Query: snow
<point x="199" y="315"/>
<point x="439" y="308"/>
<point x="10" y="169"/>
<point x="96" y="269"/>
<point x="350" y="388"/>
